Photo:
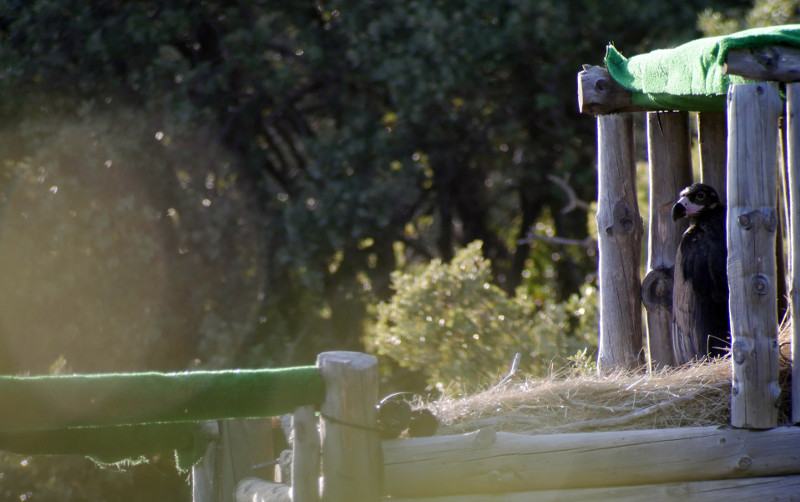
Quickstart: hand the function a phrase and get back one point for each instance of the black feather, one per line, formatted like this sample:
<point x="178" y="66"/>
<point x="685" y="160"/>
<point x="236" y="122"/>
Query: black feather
<point x="700" y="287"/>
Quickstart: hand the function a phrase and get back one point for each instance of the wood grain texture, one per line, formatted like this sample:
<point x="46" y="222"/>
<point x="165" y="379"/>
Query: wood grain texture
<point x="305" y="455"/>
<point x="205" y="475"/>
<point x="774" y="489"/>
<point x="351" y="455"/>
<point x="619" y="228"/>
<point x="600" y="94"/>
<point x="793" y="164"/>
<point x="258" y="490"/>
<point x="487" y="462"/>
<point x="712" y="136"/>
<point x="243" y="444"/>
<point x="753" y="111"/>
<point x="775" y="63"/>
<point x="670" y="170"/>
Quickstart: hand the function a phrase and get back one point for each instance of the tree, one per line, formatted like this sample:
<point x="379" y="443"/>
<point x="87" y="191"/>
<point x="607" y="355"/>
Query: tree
<point x="348" y="135"/>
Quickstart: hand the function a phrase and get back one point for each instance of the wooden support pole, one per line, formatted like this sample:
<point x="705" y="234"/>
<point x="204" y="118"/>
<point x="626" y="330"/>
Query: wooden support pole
<point x="775" y="63"/>
<point x="712" y="135"/>
<point x="205" y="478"/>
<point x="783" y="251"/>
<point x="619" y="241"/>
<point x="753" y="111"/>
<point x="776" y="489"/>
<point x="305" y="455"/>
<point x="670" y="168"/>
<point x="793" y="161"/>
<point x="243" y="445"/>
<point x="490" y="463"/>
<point x="599" y="93"/>
<point x="351" y="455"/>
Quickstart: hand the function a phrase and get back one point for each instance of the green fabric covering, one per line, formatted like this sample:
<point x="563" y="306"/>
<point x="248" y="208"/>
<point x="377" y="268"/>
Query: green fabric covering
<point x="113" y="417"/>
<point x="689" y="77"/>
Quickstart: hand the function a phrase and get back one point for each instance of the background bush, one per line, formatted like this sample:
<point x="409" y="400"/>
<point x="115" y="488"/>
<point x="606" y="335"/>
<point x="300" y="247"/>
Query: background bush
<point x="449" y="321"/>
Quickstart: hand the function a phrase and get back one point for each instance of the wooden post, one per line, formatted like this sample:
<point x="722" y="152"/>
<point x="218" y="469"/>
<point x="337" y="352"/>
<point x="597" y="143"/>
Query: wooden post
<point x="205" y="482"/>
<point x="793" y="161"/>
<point x="305" y="455"/>
<point x="712" y="135"/>
<point x="753" y="111"/>
<point x="351" y="455"/>
<point x="243" y="444"/>
<point x="599" y="93"/>
<point x="620" y="234"/>
<point x="670" y="162"/>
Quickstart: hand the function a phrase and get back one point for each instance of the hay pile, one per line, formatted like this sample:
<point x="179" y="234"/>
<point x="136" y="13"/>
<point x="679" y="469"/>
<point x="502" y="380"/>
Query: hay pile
<point x="693" y="395"/>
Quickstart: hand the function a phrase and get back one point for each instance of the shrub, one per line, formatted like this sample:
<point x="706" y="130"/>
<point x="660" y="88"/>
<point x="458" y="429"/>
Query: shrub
<point x="451" y="322"/>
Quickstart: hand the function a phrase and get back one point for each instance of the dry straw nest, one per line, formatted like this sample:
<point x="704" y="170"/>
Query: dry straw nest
<point x="693" y="395"/>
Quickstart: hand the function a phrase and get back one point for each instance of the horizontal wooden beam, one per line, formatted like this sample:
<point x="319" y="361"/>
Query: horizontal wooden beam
<point x="776" y="63"/>
<point x="599" y="94"/>
<point x="783" y="488"/>
<point x="258" y="490"/>
<point x="490" y="463"/>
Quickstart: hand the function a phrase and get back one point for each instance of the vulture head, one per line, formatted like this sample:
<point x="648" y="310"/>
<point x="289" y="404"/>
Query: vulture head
<point x="695" y="201"/>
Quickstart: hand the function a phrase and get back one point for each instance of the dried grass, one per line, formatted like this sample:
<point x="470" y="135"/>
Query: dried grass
<point x="693" y="395"/>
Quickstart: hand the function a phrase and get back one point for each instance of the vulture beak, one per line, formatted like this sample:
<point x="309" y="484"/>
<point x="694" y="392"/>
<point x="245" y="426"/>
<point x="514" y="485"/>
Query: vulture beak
<point x="684" y="208"/>
<point x="678" y="211"/>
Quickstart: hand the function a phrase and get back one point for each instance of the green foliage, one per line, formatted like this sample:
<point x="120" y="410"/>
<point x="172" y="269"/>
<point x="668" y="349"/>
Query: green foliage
<point x="56" y="479"/>
<point x="108" y="259"/>
<point x="318" y="128"/>
<point x="761" y="13"/>
<point x="449" y="321"/>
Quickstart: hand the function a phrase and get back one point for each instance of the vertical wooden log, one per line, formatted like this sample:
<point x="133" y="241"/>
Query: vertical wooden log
<point x="305" y="455"/>
<point x="783" y="255"/>
<point x="242" y="445"/>
<point x="793" y="165"/>
<point x="753" y="111"/>
<point x="352" y="464"/>
<point x="712" y="136"/>
<point x="205" y="478"/>
<point x="670" y="166"/>
<point x="619" y="241"/>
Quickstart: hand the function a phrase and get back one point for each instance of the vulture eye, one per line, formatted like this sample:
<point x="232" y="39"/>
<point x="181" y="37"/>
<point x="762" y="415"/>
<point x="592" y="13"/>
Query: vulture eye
<point x="700" y="196"/>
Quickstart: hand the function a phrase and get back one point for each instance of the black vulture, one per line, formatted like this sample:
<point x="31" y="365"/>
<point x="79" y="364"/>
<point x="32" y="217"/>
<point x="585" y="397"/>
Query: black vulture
<point x="700" y="287"/>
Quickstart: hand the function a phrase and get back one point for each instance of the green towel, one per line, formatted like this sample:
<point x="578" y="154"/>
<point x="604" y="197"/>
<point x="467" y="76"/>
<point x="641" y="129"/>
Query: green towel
<point x="689" y="77"/>
<point x="112" y="417"/>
